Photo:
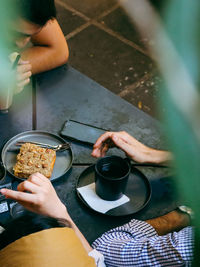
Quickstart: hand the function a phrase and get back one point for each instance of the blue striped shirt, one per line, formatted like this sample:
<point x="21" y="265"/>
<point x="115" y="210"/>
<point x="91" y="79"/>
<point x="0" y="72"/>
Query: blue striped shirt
<point x="138" y="244"/>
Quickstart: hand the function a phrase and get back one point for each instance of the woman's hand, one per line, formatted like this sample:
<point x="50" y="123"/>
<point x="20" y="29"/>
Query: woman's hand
<point x="23" y="75"/>
<point x="38" y="195"/>
<point x="133" y="148"/>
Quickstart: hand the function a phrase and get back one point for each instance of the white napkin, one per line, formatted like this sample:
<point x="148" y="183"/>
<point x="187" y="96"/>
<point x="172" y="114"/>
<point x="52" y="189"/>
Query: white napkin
<point x="1" y="229"/>
<point x="94" y="201"/>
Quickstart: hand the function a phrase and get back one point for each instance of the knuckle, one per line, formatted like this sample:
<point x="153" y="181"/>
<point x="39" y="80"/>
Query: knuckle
<point x="32" y="179"/>
<point x="112" y="135"/>
<point x="19" y="195"/>
<point x="25" y="184"/>
<point x="40" y="200"/>
<point x="19" y="186"/>
<point x="37" y="202"/>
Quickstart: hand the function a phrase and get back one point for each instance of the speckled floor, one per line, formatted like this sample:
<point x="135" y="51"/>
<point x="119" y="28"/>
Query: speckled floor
<point x="105" y="46"/>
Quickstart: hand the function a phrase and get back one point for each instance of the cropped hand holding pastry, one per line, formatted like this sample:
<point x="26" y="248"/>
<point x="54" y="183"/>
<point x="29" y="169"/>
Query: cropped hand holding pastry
<point x="43" y="198"/>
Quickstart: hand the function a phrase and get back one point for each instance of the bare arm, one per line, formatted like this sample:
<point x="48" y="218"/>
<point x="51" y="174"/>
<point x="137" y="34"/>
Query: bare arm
<point x="133" y="148"/>
<point x="50" y="48"/>
<point x="172" y="221"/>
<point x="43" y="200"/>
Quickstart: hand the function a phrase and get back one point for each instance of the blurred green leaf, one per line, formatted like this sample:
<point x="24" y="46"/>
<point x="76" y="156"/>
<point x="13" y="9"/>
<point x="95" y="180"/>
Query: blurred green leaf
<point x="177" y="52"/>
<point x="6" y="76"/>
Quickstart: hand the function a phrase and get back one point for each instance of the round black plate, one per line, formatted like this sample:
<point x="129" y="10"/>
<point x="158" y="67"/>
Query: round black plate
<point x="138" y="190"/>
<point x="64" y="159"/>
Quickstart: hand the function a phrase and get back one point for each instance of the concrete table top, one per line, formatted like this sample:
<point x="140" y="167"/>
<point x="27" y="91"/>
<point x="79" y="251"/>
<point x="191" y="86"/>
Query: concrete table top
<point x="19" y="117"/>
<point x="65" y="93"/>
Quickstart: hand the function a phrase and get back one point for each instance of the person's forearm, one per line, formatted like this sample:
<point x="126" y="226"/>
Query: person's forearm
<point x="157" y="156"/>
<point x="65" y="215"/>
<point x="49" y="49"/>
<point x="173" y="221"/>
<point x="85" y="243"/>
<point x="43" y="58"/>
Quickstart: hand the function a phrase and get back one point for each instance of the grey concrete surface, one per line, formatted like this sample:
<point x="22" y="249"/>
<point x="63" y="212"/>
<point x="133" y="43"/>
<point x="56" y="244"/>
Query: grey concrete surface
<point x="106" y="46"/>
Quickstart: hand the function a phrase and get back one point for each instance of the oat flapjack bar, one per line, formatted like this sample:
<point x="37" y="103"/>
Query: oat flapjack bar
<point x="33" y="158"/>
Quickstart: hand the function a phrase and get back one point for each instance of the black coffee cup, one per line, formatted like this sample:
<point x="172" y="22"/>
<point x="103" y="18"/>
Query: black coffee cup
<point x="111" y="177"/>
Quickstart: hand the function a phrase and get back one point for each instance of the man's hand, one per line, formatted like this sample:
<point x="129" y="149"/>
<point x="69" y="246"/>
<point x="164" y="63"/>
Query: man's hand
<point x="23" y="75"/>
<point x="38" y="195"/>
<point x="133" y="148"/>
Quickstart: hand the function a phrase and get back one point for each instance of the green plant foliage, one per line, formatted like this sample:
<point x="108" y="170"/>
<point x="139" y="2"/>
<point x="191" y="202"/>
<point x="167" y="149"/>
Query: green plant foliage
<point x="186" y="149"/>
<point x="175" y="23"/>
<point x="182" y="23"/>
<point x="6" y="75"/>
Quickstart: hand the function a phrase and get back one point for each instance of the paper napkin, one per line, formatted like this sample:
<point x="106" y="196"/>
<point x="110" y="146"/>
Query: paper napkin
<point x="95" y="202"/>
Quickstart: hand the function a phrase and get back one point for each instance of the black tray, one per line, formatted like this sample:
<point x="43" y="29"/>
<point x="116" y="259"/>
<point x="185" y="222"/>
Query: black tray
<point x="64" y="159"/>
<point x="138" y="190"/>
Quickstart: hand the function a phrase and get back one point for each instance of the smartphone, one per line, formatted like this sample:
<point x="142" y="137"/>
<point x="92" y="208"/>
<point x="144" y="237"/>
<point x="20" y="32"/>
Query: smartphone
<point x="82" y="132"/>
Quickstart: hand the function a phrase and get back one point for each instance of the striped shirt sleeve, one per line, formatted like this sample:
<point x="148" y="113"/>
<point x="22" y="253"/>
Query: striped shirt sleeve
<point x="137" y="244"/>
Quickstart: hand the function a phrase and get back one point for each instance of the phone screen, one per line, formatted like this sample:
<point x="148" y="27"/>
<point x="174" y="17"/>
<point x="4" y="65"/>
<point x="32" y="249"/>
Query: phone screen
<point x="82" y="132"/>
